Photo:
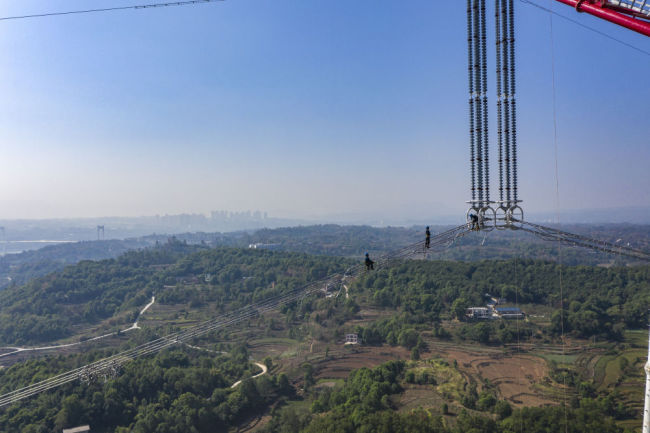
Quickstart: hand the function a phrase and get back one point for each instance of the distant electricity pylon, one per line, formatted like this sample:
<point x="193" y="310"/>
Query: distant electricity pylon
<point x="100" y="233"/>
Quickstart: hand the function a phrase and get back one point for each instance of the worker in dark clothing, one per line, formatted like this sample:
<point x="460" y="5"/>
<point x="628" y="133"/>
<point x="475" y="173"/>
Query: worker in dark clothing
<point x="427" y="238"/>
<point x="474" y="219"/>
<point x="370" y="265"/>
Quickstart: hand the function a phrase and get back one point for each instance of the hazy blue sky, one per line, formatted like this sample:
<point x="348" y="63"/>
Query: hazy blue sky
<point x="302" y="108"/>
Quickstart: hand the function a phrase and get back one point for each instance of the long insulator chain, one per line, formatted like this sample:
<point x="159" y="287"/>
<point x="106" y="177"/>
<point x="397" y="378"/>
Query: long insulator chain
<point x="478" y="122"/>
<point x="470" y="69"/>
<point x="497" y="20"/>
<point x="506" y="97"/>
<point x="484" y="87"/>
<point x="513" y="104"/>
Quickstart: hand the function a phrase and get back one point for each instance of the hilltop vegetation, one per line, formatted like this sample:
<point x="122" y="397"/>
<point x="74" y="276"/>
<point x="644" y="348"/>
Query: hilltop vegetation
<point x="334" y="240"/>
<point x="415" y="304"/>
<point x="17" y="269"/>
<point x="179" y="391"/>
<point x="175" y="391"/>
<point x="598" y="301"/>
<point x="47" y="308"/>
<point x="497" y="245"/>
<point x="365" y="404"/>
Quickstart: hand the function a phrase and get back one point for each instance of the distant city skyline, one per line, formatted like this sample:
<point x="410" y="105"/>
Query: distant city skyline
<point x="308" y="110"/>
<point x="262" y="219"/>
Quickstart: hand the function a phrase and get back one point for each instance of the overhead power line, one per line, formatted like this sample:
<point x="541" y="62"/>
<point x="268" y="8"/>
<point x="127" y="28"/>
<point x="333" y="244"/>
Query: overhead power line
<point x="111" y="9"/>
<point x="531" y="3"/>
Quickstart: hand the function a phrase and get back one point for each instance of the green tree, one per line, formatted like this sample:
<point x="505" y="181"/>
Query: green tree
<point x="458" y="308"/>
<point x="503" y="409"/>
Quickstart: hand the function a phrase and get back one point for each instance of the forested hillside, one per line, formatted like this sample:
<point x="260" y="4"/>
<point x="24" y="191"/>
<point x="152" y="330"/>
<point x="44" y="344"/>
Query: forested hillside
<point x="414" y="308"/>
<point x="355" y="240"/>
<point x="47" y="308"/>
<point x="184" y="390"/>
<point x="334" y="240"/>
<point x="598" y="301"/>
<point x="17" y="269"/>
<point x="175" y="391"/>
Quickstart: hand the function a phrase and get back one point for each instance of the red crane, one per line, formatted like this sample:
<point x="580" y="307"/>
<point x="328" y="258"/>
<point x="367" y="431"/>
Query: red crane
<point x="631" y="14"/>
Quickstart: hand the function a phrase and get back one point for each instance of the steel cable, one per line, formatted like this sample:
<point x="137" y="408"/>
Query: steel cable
<point x="111" y="9"/>
<point x="551" y="234"/>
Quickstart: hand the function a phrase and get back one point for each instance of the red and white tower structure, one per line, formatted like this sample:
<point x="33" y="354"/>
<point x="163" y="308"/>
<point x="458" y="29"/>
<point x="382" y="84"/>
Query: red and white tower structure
<point x="631" y="14"/>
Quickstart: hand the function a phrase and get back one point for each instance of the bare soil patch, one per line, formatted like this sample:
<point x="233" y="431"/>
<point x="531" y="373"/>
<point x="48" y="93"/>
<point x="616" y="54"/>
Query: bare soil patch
<point x="274" y="349"/>
<point x="514" y="376"/>
<point x="419" y="396"/>
<point x="341" y="362"/>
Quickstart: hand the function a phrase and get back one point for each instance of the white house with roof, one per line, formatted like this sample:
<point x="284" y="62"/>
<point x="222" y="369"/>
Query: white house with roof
<point x="352" y="339"/>
<point x="478" y="313"/>
<point x="509" y="312"/>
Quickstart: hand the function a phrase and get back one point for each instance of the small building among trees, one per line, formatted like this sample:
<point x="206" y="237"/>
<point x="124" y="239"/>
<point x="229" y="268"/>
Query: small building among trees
<point x="478" y="313"/>
<point x="509" y="312"/>
<point x="352" y="339"/>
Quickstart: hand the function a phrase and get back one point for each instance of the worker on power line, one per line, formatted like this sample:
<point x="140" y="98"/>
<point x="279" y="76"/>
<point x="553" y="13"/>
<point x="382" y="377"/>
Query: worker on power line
<point x="474" y="219"/>
<point x="427" y="238"/>
<point x="370" y="265"/>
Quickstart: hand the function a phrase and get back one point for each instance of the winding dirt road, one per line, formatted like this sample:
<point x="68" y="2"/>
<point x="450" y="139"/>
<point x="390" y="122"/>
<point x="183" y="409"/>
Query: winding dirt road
<point x="146" y="307"/>
<point x="15" y="350"/>
<point x="264" y="370"/>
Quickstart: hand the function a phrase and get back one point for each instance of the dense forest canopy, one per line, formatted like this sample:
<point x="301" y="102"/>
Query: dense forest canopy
<point x="175" y="391"/>
<point x="187" y="389"/>
<point x="47" y="308"/>
<point x="183" y="390"/>
<point x="598" y="301"/>
<point x="334" y="240"/>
